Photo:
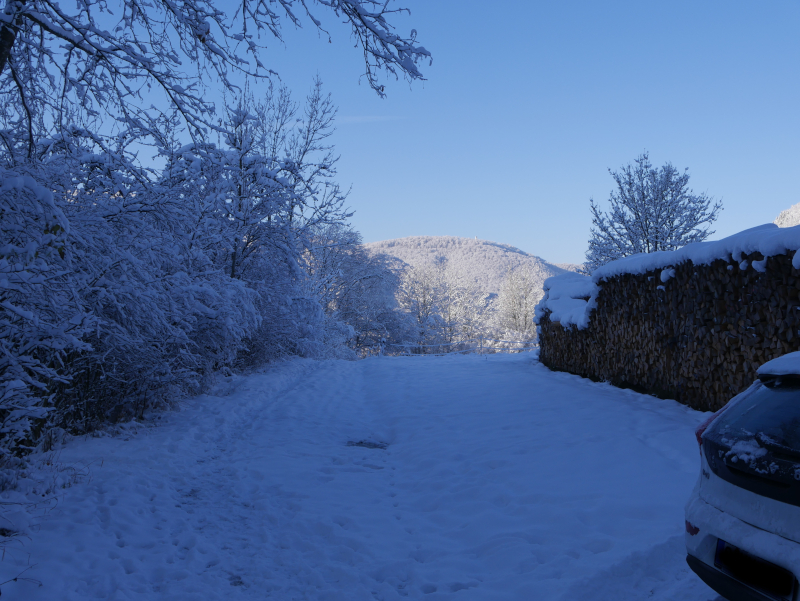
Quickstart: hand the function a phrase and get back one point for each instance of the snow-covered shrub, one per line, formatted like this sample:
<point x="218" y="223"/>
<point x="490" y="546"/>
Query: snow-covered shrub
<point x="42" y="321"/>
<point x="161" y="317"/>
<point x="124" y="282"/>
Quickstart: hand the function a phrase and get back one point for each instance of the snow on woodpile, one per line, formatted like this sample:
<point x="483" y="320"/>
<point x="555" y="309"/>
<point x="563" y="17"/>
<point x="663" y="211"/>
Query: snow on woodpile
<point x="768" y="239"/>
<point x="563" y="292"/>
<point x="567" y="298"/>
<point x="693" y="324"/>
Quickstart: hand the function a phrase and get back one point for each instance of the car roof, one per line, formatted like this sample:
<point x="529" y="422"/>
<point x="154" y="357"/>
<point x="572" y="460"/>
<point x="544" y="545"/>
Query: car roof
<point x="785" y="365"/>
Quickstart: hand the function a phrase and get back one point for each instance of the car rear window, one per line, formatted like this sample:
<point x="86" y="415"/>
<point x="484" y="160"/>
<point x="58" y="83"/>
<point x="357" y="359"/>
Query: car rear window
<point x="769" y="417"/>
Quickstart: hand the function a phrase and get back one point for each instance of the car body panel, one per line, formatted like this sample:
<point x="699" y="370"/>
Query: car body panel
<point x="762" y="512"/>
<point x="714" y="524"/>
<point x="761" y="526"/>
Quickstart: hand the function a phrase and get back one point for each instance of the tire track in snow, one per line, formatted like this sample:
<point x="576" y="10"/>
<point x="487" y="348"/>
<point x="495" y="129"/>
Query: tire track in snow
<point x="264" y="533"/>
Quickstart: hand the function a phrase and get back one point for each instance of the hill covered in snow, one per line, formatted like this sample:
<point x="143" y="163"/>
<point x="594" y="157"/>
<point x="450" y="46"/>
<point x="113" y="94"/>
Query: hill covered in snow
<point x="488" y="262"/>
<point x="789" y="218"/>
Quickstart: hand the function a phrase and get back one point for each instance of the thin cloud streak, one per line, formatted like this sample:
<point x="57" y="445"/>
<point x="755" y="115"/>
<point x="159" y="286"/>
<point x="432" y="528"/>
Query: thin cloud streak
<point x="366" y="119"/>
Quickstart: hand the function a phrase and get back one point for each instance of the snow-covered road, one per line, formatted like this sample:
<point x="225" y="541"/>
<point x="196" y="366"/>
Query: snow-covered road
<point x="500" y="480"/>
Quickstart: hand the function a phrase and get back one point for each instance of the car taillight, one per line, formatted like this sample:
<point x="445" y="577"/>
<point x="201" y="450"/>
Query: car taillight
<point x="704" y="426"/>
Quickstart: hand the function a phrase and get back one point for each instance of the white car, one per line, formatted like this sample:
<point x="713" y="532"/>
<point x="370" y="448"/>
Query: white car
<point x="743" y="518"/>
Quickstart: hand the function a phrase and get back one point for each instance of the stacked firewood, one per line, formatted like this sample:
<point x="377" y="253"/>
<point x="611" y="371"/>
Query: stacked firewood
<point x="697" y="337"/>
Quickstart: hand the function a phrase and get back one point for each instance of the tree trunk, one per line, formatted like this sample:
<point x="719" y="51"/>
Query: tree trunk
<point x="8" y="35"/>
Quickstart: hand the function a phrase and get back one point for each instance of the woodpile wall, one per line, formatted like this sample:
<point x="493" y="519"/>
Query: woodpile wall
<point x="698" y="337"/>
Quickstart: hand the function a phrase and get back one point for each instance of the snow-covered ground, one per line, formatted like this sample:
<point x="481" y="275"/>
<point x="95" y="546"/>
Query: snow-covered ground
<point x="499" y="480"/>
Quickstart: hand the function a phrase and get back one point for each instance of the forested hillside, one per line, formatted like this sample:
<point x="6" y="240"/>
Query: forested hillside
<point x="488" y="262"/>
<point x="458" y="292"/>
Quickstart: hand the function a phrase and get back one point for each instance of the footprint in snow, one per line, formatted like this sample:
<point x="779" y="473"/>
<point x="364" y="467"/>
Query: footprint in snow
<point x="367" y="444"/>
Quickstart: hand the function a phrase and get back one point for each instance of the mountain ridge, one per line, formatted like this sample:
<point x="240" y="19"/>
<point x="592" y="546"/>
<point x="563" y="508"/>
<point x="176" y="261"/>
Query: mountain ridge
<point x="488" y="261"/>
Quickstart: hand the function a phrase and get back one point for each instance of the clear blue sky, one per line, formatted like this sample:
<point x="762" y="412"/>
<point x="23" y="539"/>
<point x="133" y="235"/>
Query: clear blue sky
<point x="528" y="103"/>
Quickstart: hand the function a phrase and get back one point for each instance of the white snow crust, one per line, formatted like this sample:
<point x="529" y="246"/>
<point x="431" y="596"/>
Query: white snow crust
<point x="788" y="364"/>
<point x="768" y="239"/>
<point x="568" y="298"/>
<point x="500" y="480"/>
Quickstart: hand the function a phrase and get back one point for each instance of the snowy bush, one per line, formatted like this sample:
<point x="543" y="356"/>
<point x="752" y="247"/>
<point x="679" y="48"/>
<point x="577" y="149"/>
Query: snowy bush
<point x="355" y="287"/>
<point x="125" y="281"/>
<point x="122" y="290"/>
<point x="117" y="310"/>
<point x="41" y="319"/>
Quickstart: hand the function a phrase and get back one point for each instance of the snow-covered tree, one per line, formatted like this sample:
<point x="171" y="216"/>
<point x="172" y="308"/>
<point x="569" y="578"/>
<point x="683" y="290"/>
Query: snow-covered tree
<point x="418" y="297"/>
<point x="114" y="58"/>
<point x="122" y="283"/>
<point x="264" y="192"/>
<point x="40" y="319"/>
<point x="444" y="303"/>
<point x="354" y="287"/>
<point x="789" y="217"/>
<point x="461" y="304"/>
<point x="651" y="210"/>
<point x="516" y="304"/>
